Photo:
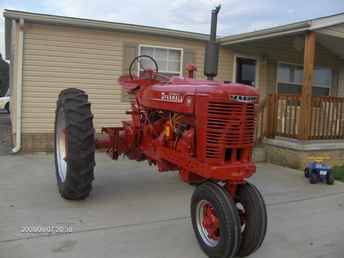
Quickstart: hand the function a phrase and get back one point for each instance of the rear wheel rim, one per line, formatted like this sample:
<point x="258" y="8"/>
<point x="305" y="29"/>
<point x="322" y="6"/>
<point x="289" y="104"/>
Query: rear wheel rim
<point x="207" y="223"/>
<point x="242" y="215"/>
<point x="61" y="145"/>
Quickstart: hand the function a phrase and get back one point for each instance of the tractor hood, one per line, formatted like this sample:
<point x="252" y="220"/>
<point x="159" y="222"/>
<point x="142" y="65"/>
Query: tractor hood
<point x="180" y="94"/>
<point x="190" y="87"/>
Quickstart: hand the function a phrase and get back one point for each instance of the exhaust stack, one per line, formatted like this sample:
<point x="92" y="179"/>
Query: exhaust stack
<point x="211" y="59"/>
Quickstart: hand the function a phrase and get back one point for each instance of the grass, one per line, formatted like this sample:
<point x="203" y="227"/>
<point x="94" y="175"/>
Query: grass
<point x="338" y="173"/>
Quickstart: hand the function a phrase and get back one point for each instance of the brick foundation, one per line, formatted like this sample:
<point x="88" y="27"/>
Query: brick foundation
<point x="297" y="155"/>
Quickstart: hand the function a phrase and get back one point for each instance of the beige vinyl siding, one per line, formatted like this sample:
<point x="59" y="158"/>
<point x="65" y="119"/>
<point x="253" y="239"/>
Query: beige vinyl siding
<point x="225" y="71"/>
<point x="341" y="82"/>
<point x="58" y="57"/>
<point x="271" y="80"/>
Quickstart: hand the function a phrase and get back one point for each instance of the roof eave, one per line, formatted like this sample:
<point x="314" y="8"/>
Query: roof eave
<point x="309" y="25"/>
<point x="62" y="20"/>
<point x="266" y="33"/>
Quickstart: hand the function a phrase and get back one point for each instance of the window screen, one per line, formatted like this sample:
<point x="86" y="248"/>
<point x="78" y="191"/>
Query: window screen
<point x="169" y="59"/>
<point x="290" y="79"/>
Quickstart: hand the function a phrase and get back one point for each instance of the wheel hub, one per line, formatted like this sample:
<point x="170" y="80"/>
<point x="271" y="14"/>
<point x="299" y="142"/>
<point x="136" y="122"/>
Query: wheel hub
<point x="208" y="223"/>
<point x="61" y="146"/>
<point x="242" y="215"/>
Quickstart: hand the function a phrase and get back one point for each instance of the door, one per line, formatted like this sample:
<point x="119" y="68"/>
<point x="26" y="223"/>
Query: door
<point x="246" y="71"/>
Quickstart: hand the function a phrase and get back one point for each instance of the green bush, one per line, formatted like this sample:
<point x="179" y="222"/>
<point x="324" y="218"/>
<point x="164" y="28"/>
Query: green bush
<point x="338" y="173"/>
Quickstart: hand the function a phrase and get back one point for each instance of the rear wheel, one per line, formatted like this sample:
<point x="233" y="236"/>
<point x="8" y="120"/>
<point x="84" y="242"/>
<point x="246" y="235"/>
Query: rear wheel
<point x="330" y="178"/>
<point x="215" y="221"/>
<point x="74" y="144"/>
<point x="253" y="217"/>
<point x="306" y="172"/>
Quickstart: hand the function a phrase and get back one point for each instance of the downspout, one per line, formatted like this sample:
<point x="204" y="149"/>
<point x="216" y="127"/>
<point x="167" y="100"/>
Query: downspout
<point x="20" y="50"/>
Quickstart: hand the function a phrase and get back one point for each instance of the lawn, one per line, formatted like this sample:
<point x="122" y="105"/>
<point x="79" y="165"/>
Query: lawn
<point x="339" y="173"/>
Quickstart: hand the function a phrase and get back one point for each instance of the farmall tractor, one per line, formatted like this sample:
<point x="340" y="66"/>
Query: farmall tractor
<point x="204" y="129"/>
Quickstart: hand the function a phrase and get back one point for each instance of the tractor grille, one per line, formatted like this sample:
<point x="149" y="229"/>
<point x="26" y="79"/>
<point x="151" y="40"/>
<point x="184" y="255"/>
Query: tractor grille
<point x="231" y="125"/>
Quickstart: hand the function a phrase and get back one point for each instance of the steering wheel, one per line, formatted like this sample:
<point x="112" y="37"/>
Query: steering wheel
<point x="141" y="66"/>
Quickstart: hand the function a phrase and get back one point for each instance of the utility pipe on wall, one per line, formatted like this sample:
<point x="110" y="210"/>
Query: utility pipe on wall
<point x="20" y="50"/>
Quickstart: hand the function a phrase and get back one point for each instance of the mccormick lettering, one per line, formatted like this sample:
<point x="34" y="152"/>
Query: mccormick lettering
<point x="171" y="97"/>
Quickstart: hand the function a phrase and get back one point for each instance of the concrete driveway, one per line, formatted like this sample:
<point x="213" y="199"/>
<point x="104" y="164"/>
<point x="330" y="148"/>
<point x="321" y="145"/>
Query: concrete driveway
<point x="135" y="212"/>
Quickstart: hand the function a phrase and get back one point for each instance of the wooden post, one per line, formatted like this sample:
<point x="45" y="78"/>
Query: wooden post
<point x="306" y="95"/>
<point x="270" y="125"/>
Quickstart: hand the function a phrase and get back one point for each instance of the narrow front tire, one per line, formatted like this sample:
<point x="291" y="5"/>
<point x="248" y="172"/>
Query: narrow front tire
<point x="215" y="221"/>
<point x="253" y="216"/>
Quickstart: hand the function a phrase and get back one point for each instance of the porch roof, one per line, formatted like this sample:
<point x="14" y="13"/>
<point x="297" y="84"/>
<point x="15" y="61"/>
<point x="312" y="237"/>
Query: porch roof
<point x="331" y="25"/>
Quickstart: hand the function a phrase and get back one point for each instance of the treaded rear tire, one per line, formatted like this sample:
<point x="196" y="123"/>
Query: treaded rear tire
<point x="75" y="110"/>
<point x="256" y="219"/>
<point x="228" y="217"/>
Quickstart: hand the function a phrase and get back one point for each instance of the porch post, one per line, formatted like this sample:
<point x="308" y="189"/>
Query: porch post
<point x="306" y="94"/>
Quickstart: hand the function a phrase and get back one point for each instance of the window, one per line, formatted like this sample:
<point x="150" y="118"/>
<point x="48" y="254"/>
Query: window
<point x="169" y="59"/>
<point x="290" y="78"/>
<point x="246" y="71"/>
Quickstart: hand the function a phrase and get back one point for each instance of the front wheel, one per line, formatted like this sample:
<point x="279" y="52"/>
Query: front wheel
<point x="74" y="144"/>
<point x="215" y="221"/>
<point x="253" y="217"/>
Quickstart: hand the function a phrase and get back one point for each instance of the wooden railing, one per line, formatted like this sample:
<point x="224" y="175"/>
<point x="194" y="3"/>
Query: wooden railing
<point x="327" y="119"/>
<point x="283" y="117"/>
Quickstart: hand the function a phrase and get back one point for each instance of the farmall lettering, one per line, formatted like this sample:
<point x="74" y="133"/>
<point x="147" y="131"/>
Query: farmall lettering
<point x="171" y="97"/>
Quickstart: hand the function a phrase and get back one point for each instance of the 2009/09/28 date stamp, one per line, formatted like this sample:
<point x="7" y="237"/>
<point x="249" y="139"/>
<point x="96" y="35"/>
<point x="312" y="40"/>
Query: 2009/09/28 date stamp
<point x="49" y="229"/>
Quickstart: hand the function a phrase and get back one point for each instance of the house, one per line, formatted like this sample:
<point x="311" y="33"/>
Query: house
<point x="298" y="69"/>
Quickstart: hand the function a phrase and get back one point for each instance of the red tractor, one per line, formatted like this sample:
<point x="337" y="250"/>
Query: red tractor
<point x="204" y="129"/>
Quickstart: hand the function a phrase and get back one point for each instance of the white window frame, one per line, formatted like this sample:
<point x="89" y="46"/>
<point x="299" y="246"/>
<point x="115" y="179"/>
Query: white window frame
<point x="301" y="84"/>
<point x="256" y="58"/>
<point x="180" y="72"/>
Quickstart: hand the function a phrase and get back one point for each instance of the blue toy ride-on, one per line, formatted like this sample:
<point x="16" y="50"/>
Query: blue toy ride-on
<point x="316" y="171"/>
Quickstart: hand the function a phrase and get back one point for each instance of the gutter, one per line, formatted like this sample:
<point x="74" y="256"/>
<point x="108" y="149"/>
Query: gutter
<point x="20" y="50"/>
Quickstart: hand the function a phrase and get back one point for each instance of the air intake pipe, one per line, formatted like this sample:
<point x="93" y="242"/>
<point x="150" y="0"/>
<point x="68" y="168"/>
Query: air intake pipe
<point x="211" y="58"/>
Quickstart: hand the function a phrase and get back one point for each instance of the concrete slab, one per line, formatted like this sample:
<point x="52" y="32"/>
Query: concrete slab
<point x="135" y="212"/>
